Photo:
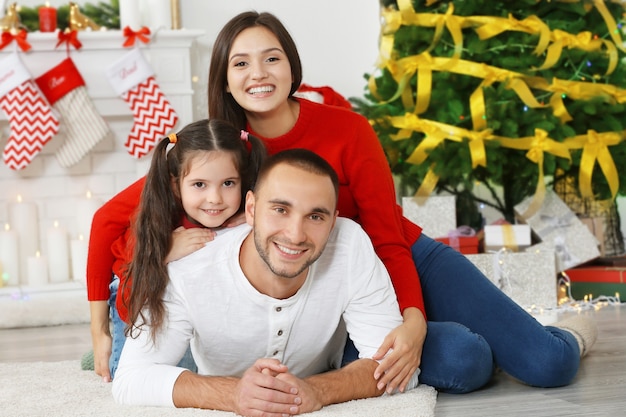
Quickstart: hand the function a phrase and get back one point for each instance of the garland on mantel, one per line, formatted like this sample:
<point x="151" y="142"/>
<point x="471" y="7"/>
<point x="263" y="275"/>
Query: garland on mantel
<point x="104" y="14"/>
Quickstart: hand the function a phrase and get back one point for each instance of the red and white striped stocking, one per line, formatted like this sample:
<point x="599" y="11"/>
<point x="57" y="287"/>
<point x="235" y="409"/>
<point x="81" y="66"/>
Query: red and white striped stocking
<point x="133" y="79"/>
<point x="31" y="119"/>
<point x="84" y="128"/>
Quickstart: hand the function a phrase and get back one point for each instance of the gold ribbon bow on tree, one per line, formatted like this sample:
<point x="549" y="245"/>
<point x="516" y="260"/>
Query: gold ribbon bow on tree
<point x="536" y="146"/>
<point x="595" y="148"/>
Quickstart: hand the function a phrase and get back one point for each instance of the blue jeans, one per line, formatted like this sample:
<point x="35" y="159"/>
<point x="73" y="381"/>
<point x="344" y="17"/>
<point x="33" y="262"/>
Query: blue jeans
<point x="473" y="327"/>
<point x="119" y="338"/>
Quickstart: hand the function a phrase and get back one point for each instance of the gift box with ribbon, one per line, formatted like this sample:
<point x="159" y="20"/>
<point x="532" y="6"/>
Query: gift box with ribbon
<point x="462" y="239"/>
<point x="560" y="230"/>
<point x="596" y="227"/>
<point x="528" y="278"/>
<point x="515" y="237"/>
<point x="436" y="215"/>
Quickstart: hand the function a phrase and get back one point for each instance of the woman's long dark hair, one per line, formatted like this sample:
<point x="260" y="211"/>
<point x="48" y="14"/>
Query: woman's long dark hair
<point x="222" y="105"/>
<point x="161" y="210"/>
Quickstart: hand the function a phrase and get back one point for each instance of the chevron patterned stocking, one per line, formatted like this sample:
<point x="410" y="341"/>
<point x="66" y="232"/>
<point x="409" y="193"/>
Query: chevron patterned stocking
<point x="154" y="117"/>
<point x="30" y="117"/>
<point x="133" y="79"/>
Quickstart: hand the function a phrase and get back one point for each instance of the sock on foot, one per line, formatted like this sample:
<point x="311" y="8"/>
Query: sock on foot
<point x="584" y="330"/>
<point x="86" y="363"/>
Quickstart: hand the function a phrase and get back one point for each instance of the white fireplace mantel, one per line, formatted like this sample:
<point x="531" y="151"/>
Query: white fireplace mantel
<point x="168" y="52"/>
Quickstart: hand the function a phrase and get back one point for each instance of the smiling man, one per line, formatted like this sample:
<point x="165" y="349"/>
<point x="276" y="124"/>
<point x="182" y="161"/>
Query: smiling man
<point x="267" y="309"/>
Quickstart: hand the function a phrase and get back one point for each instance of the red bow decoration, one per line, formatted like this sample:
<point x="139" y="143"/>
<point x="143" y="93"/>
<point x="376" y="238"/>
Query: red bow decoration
<point x="20" y="38"/>
<point x="130" y="35"/>
<point x="71" y="38"/>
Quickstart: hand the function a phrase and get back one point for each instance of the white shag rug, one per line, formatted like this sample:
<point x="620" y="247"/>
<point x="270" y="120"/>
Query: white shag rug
<point x="31" y="309"/>
<point x="37" y="389"/>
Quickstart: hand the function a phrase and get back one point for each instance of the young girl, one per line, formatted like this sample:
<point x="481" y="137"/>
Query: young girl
<point x="197" y="180"/>
<point x="200" y="182"/>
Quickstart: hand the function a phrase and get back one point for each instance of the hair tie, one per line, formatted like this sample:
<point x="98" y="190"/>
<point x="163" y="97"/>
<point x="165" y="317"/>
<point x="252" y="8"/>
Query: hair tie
<point x="172" y="137"/>
<point x="244" y="135"/>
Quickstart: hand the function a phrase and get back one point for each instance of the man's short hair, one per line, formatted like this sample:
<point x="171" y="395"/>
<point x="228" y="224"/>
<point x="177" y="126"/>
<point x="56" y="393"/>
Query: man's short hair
<point x="304" y="159"/>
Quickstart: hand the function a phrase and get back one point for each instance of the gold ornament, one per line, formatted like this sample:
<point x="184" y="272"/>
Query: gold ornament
<point x="79" y="21"/>
<point x="11" y="21"/>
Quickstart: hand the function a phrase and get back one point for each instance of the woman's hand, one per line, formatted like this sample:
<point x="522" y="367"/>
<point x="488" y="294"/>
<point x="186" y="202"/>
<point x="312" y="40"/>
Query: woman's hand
<point x="186" y="241"/>
<point x="403" y="350"/>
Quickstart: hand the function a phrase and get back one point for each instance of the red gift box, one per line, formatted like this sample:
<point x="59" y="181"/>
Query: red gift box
<point x="605" y="274"/>
<point x="464" y="244"/>
<point x="597" y="280"/>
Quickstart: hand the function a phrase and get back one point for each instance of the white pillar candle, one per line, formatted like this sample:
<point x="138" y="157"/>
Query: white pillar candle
<point x="24" y="220"/>
<point x="130" y="14"/>
<point x="9" y="256"/>
<point x="158" y="13"/>
<point x="58" y="254"/>
<point x="78" y="248"/>
<point x="85" y="211"/>
<point x="37" y="270"/>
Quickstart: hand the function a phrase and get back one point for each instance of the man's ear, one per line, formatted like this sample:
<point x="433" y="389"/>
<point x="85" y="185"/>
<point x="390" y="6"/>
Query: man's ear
<point x="335" y="217"/>
<point x="249" y="208"/>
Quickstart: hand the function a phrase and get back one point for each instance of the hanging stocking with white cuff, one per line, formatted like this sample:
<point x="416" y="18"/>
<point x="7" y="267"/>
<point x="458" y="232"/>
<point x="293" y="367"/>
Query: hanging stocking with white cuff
<point x="133" y="79"/>
<point x="83" y="126"/>
<point x="31" y="119"/>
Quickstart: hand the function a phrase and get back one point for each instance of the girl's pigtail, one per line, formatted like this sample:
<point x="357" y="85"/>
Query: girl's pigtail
<point x="158" y="210"/>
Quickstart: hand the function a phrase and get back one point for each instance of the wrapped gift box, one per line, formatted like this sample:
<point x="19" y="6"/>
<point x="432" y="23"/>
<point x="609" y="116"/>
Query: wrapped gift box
<point x="597" y="280"/>
<point x="559" y="230"/>
<point x="515" y="237"/>
<point x="464" y="244"/>
<point x="529" y="278"/>
<point x="596" y="227"/>
<point x="436" y="215"/>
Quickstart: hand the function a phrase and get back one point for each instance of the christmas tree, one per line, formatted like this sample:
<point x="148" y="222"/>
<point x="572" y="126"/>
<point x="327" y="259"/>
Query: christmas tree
<point x="510" y="94"/>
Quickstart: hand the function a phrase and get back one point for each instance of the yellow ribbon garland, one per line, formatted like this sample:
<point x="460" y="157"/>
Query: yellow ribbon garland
<point x="435" y="133"/>
<point x="595" y="148"/>
<point x="448" y="20"/>
<point x="428" y="184"/>
<point x="536" y="146"/>
<point x="533" y="25"/>
<point x="583" y="41"/>
<point x="614" y="31"/>
<point x="594" y="145"/>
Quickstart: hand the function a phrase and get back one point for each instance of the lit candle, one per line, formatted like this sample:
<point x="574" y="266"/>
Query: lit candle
<point x="85" y="211"/>
<point x="24" y="220"/>
<point x="58" y="254"/>
<point x="37" y="270"/>
<point x="130" y="14"/>
<point x="8" y="256"/>
<point x="47" y="18"/>
<point x="78" y="250"/>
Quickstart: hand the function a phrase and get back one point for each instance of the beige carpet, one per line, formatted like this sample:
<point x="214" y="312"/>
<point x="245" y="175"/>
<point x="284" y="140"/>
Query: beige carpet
<point x="63" y="389"/>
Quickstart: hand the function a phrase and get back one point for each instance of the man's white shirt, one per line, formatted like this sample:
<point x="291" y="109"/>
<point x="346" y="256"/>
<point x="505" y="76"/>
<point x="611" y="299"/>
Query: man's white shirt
<point x="211" y="305"/>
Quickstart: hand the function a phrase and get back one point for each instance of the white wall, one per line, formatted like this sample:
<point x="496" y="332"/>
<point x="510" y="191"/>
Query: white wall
<point x="337" y="40"/>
